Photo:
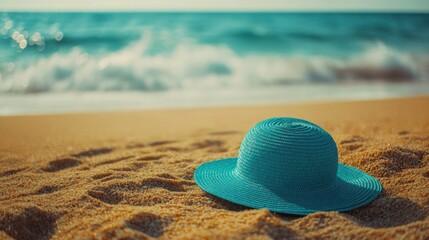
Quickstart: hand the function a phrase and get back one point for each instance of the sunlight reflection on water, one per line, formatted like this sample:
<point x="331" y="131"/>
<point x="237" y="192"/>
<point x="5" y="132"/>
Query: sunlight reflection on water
<point x="23" y="38"/>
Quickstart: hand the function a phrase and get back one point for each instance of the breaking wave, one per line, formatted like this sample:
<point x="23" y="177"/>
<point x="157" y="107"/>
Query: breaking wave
<point x="199" y="66"/>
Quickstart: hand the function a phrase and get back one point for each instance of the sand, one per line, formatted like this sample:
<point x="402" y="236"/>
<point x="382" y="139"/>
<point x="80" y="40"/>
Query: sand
<point x="130" y="174"/>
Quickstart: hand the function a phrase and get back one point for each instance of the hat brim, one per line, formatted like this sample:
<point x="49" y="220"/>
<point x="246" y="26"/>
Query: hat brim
<point x="353" y="188"/>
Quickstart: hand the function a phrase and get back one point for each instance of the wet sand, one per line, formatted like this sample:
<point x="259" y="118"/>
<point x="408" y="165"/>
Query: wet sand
<point x="130" y="174"/>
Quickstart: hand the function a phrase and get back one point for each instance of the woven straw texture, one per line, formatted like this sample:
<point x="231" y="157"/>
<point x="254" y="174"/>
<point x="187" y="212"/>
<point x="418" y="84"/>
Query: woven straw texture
<point x="288" y="165"/>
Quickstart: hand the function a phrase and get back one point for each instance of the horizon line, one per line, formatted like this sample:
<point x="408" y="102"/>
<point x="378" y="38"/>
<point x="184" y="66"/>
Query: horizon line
<point x="215" y="11"/>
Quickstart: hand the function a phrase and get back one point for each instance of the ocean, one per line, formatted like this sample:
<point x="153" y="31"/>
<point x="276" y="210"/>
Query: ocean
<point x="73" y="62"/>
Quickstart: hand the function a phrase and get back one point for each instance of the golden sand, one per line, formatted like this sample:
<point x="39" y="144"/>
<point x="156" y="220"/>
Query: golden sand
<point x="129" y="175"/>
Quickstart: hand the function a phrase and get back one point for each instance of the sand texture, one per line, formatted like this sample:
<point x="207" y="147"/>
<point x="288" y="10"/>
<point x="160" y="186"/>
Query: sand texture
<point x="129" y="175"/>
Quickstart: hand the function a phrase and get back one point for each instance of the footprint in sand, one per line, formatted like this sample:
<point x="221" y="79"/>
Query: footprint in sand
<point x="104" y="177"/>
<point x="166" y="175"/>
<point x="113" y="161"/>
<point x="61" y="164"/>
<point x="402" y="133"/>
<point x="159" y="143"/>
<point x="399" y="159"/>
<point x="129" y="168"/>
<point x="47" y="189"/>
<point x="353" y="139"/>
<point x="352" y="144"/>
<point x="132" y="145"/>
<point x="74" y="159"/>
<point x="101" y="175"/>
<point x="151" y="157"/>
<point x="28" y="223"/>
<point x="148" y="223"/>
<point x="395" y="160"/>
<point x="11" y="172"/>
<point x="215" y="146"/>
<point x="399" y="211"/>
<point x="224" y="133"/>
<point x="93" y="152"/>
<point x="139" y="193"/>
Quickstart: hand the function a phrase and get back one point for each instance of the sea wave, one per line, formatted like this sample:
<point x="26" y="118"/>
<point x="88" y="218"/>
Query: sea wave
<point x="261" y="34"/>
<point x="198" y="66"/>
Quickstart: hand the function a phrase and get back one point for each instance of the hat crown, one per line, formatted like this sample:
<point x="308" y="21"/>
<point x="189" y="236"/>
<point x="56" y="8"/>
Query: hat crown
<point x="288" y="153"/>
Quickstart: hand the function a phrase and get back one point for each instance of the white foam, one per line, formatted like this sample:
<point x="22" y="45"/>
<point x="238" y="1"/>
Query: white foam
<point x="198" y="67"/>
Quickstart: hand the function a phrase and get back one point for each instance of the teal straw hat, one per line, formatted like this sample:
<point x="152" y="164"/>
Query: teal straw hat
<point x="288" y="165"/>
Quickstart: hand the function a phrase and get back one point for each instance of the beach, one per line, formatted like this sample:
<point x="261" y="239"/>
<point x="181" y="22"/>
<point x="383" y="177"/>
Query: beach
<point x="129" y="174"/>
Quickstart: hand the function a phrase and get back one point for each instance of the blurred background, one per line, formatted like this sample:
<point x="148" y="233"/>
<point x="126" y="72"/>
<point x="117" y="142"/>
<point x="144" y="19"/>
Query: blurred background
<point x="67" y="57"/>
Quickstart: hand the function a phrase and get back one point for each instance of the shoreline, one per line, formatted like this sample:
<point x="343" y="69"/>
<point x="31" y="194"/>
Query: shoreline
<point x="159" y="122"/>
<point x="87" y="102"/>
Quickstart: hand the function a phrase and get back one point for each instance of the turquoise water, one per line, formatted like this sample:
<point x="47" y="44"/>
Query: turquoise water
<point x="72" y="53"/>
